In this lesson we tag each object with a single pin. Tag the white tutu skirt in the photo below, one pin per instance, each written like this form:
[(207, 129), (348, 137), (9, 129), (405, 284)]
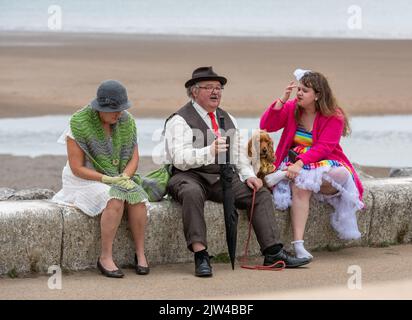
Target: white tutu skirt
[(89, 196), (345, 203)]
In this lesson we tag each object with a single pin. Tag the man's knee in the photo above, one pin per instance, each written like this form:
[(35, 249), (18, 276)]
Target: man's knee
[(263, 197), (263, 194), (189, 191)]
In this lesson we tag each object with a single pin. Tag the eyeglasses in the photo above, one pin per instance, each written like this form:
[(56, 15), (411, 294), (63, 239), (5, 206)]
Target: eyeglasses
[(211, 88)]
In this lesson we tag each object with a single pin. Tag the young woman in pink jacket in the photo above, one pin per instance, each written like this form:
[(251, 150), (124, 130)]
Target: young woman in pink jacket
[(312, 127)]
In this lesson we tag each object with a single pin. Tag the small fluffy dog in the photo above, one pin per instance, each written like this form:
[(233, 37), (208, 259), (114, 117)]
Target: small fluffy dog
[(261, 153)]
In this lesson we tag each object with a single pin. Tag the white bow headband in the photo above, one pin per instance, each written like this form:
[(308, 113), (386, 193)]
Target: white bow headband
[(299, 73)]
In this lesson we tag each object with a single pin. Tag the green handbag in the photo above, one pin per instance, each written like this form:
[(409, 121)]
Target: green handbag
[(155, 182)]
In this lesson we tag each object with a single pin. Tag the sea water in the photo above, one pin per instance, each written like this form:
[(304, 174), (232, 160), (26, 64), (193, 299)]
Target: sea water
[(383, 19), (375, 141)]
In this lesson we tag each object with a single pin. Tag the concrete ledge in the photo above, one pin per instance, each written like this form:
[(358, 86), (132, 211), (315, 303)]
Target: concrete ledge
[(165, 242), (391, 220), (37, 234), (30, 236)]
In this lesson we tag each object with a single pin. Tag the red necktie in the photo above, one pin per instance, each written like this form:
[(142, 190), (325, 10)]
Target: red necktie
[(214, 124)]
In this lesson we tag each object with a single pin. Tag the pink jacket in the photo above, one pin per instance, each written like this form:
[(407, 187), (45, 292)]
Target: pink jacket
[(326, 132)]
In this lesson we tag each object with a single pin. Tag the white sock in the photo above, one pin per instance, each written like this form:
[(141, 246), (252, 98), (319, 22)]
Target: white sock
[(300, 250), (274, 178)]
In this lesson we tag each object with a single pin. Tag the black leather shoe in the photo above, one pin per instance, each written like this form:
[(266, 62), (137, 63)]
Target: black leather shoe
[(140, 269), (290, 261), (202, 264), (111, 274)]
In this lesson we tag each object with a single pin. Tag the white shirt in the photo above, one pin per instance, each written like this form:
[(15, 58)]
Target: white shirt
[(180, 151)]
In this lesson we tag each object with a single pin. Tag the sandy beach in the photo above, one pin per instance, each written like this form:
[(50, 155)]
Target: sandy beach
[(57, 73)]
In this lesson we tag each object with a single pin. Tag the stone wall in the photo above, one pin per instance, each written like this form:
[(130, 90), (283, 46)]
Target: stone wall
[(35, 234)]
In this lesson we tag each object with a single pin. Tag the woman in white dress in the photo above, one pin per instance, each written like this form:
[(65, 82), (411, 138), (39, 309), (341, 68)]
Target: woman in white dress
[(99, 176)]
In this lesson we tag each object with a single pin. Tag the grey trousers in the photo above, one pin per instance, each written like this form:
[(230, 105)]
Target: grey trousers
[(191, 191)]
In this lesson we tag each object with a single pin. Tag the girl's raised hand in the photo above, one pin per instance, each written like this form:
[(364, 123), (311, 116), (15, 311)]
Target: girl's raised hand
[(288, 91)]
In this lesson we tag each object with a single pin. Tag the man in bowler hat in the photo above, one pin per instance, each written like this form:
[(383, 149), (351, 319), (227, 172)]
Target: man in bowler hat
[(193, 145)]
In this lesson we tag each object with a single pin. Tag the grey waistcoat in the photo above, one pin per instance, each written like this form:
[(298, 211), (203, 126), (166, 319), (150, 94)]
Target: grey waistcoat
[(211, 172)]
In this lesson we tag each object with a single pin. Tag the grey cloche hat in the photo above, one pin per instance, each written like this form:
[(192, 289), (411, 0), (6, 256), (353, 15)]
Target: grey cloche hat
[(111, 97), (203, 74)]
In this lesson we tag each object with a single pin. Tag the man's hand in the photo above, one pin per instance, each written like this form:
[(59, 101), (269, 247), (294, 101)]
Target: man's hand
[(112, 180), (218, 146), (254, 183)]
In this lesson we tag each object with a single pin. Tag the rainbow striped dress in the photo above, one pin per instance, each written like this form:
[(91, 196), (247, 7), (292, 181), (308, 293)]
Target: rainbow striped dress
[(302, 142)]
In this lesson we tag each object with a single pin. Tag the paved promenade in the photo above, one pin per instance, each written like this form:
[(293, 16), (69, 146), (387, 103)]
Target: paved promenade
[(380, 273)]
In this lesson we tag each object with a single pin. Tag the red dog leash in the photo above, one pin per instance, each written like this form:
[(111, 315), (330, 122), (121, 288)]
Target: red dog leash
[(277, 266)]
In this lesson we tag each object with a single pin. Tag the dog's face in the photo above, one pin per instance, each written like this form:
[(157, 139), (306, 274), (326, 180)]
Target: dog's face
[(261, 153), (261, 144)]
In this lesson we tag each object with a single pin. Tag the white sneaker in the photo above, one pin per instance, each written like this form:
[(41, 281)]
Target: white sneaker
[(274, 178)]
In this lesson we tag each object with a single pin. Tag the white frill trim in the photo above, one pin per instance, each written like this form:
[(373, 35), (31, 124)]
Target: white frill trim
[(346, 202)]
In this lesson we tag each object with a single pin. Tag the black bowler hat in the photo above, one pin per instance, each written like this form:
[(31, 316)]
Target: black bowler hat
[(111, 97), (204, 74)]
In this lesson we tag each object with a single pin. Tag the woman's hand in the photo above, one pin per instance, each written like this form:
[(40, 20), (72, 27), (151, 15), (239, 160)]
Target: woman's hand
[(286, 95), (293, 170), (114, 180), (288, 91), (126, 184), (122, 181)]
